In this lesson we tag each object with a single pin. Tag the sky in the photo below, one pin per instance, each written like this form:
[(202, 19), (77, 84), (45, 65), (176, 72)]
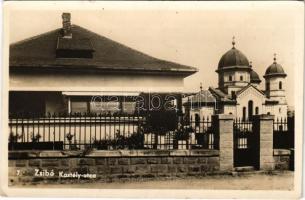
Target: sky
[(197, 36)]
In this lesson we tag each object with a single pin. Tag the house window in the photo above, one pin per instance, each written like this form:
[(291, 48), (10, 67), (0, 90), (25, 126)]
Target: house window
[(230, 78), (280, 85), (241, 78), (79, 107), (129, 107), (256, 110), (109, 107)]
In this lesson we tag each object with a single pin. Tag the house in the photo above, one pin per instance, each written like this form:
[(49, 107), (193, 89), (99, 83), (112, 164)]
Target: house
[(72, 70), (238, 93)]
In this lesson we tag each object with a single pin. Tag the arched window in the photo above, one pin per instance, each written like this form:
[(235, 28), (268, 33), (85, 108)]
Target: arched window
[(280, 85), (197, 120), (233, 94), (268, 113), (241, 78), (230, 78), (268, 86), (256, 110), (250, 109), (244, 114), (280, 110)]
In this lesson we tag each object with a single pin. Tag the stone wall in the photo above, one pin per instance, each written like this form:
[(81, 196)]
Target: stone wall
[(34, 167), (283, 159)]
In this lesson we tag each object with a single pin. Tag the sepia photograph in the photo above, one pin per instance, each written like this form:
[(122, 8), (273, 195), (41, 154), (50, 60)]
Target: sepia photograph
[(163, 98)]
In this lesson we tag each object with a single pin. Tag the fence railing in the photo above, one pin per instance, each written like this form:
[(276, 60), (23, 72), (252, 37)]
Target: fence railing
[(283, 133), (242, 133), (105, 132)]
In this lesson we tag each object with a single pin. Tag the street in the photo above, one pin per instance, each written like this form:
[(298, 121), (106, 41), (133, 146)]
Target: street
[(254, 181)]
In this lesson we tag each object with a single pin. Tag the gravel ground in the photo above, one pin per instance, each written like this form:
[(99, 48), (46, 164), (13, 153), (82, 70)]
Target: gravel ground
[(249, 181)]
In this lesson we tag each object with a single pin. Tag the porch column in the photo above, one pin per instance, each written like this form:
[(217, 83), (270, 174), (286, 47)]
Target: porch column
[(224, 132), (263, 129)]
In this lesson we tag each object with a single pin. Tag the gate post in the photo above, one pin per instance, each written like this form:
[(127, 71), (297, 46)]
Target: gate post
[(224, 131), (263, 130)]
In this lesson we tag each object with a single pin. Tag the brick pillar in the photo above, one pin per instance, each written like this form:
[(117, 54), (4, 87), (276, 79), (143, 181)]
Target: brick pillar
[(224, 130), (263, 129)]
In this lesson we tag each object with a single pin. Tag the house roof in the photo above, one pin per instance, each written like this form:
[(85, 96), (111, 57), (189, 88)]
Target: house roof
[(39, 52)]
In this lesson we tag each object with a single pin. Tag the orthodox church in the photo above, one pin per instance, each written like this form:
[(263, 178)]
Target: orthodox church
[(238, 93)]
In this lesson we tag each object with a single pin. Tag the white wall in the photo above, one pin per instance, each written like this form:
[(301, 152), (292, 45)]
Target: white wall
[(95, 82), (243, 99), (275, 93), (229, 109)]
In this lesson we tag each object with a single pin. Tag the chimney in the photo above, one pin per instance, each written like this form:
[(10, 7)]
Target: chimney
[(66, 25)]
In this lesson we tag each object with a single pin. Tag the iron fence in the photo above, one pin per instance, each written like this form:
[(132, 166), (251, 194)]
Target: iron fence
[(105, 132), (242, 130), (283, 133)]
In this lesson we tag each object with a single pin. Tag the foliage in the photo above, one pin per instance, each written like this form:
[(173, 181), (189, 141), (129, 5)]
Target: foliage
[(69, 137), (35, 138), (134, 141), (13, 138), (183, 133)]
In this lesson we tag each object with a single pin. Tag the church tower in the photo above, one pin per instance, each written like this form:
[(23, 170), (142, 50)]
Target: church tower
[(233, 71), (275, 82)]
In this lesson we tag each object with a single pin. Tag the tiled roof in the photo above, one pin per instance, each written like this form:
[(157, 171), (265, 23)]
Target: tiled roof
[(40, 51), (204, 96), (74, 44)]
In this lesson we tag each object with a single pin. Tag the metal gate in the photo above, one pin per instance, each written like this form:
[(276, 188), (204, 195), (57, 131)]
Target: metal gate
[(245, 144)]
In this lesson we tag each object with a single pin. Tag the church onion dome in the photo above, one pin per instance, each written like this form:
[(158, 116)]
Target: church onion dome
[(254, 78), (274, 70), (233, 59)]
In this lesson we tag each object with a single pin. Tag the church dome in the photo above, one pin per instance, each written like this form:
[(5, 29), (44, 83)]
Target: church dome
[(254, 78), (233, 58), (275, 69)]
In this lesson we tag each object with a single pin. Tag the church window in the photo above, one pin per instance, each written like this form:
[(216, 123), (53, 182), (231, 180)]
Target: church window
[(280, 110), (233, 94), (250, 109), (241, 78), (244, 114), (230, 78), (256, 110), (197, 120), (280, 85)]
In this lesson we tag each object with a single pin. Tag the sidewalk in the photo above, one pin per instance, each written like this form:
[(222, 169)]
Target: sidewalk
[(254, 181)]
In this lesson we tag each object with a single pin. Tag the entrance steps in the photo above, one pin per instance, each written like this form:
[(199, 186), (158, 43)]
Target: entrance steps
[(244, 169)]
